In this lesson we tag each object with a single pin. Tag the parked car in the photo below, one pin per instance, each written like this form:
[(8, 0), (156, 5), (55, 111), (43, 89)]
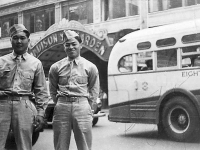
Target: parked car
[(97, 111)]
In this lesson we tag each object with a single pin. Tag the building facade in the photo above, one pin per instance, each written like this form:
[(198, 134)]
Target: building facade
[(99, 22)]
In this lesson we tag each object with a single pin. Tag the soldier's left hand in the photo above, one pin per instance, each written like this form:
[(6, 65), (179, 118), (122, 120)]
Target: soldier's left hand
[(40, 124)]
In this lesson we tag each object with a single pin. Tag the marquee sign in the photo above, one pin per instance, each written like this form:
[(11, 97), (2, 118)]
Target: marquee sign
[(97, 42), (46, 43)]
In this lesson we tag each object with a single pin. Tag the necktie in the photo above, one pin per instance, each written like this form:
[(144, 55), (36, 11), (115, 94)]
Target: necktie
[(70, 75), (19, 58), (71, 67)]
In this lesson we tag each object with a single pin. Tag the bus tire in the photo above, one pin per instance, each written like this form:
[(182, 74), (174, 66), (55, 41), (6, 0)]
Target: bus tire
[(180, 119)]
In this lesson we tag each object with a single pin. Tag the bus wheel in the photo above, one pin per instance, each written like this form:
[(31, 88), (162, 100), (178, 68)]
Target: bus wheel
[(180, 119)]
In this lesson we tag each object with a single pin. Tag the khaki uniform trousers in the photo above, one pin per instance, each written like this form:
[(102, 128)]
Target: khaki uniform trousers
[(73, 115), (17, 114)]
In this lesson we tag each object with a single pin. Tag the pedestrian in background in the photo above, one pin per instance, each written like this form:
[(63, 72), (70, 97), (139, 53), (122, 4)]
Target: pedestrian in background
[(21, 75), (74, 86)]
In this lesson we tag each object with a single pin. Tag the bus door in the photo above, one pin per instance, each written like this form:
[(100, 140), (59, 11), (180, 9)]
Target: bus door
[(132, 92), (121, 89), (143, 106)]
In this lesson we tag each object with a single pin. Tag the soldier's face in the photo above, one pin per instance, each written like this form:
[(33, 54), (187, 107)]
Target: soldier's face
[(20, 43), (72, 48)]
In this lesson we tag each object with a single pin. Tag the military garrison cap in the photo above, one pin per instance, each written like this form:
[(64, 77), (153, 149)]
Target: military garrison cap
[(18, 28), (72, 34)]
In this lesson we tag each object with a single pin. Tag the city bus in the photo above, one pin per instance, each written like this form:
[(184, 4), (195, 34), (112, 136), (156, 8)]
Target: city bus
[(154, 78)]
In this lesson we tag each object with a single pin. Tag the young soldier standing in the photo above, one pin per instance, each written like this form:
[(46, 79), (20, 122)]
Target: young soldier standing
[(21, 75), (74, 86)]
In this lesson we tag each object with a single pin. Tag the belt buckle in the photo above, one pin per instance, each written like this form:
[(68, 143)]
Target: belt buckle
[(73, 99), (16, 98)]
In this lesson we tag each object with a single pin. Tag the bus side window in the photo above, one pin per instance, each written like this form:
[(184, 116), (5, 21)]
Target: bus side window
[(191, 56), (186, 62), (125, 64), (144, 61), (167, 58), (149, 65), (197, 62)]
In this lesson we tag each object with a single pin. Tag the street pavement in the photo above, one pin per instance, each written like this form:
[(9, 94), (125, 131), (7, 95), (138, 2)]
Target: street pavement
[(120, 136)]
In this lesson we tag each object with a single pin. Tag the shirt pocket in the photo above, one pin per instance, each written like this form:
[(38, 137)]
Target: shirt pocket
[(82, 79), (27, 80), (63, 80), (5, 80)]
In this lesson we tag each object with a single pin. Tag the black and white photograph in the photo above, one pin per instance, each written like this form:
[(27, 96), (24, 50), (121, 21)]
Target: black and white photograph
[(99, 74)]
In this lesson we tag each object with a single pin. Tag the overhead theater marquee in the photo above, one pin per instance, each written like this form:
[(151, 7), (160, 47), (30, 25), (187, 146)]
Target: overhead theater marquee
[(97, 42)]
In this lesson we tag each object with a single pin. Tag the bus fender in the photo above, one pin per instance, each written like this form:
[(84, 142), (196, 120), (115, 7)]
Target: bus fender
[(176, 92)]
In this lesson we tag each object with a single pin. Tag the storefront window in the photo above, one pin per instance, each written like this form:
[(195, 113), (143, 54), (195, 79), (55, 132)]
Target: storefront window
[(112, 9), (81, 12), (119, 9), (105, 8), (175, 3), (6, 22), (133, 7), (159, 5), (155, 5), (39, 19), (192, 2)]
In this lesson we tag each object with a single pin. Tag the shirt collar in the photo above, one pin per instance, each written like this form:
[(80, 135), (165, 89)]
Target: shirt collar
[(76, 60), (24, 56)]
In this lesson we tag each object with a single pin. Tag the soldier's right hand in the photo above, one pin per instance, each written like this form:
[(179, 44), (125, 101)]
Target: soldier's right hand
[(5, 93)]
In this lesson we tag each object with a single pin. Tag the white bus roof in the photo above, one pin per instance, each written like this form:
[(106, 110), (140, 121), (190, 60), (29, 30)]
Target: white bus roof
[(165, 31), (128, 44)]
